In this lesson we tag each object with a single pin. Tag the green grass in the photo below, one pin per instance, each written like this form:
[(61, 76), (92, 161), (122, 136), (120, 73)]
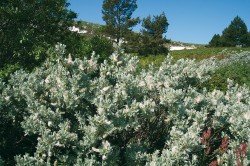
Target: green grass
[(204, 53), (198, 54), (238, 72), (156, 60)]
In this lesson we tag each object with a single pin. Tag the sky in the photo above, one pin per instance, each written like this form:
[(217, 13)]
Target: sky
[(190, 21)]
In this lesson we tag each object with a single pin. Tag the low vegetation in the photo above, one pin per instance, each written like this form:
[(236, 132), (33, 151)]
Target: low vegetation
[(77, 112), (71, 98), (198, 54)]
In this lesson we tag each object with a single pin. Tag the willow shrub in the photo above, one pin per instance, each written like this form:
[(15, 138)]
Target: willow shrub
[(82, 113)]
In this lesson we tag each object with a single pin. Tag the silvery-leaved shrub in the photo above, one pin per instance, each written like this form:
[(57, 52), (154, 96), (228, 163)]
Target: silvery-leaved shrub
[(85, 113)]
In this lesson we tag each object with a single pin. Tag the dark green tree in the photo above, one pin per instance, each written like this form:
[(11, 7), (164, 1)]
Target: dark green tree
[(215, 41), (29, 27), (248, 40), (133, 42), (235, 34), (118, 17), (152, 34)]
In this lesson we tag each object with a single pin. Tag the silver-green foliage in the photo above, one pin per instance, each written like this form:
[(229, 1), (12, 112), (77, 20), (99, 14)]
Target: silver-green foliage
[(114, 113)]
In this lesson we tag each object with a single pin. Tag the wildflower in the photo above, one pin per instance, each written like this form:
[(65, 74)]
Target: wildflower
[(214, 163), (205, 136), (224, 144), (241, 153)]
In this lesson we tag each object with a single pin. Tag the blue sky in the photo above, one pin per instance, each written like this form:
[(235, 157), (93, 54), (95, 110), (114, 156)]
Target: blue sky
[(192, 21)]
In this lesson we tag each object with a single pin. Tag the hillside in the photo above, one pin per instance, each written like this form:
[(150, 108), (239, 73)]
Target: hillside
[(177, 49), (89, 29), (92, 29)]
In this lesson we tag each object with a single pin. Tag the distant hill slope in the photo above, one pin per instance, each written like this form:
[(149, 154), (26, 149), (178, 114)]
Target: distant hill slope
[(87, 28), (92, 29)]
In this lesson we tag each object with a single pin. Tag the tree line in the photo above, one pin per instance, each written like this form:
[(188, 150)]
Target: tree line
[(236, 34)]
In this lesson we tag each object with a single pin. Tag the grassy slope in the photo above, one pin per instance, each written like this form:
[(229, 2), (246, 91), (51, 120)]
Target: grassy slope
[(92, 29), (199, 54)]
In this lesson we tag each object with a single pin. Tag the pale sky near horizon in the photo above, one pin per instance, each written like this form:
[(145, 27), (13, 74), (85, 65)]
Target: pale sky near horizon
[(191, 21)]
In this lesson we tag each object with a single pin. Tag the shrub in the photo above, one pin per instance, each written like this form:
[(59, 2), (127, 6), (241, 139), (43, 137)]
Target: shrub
[(236, 68), (126, 117), (102, 47)]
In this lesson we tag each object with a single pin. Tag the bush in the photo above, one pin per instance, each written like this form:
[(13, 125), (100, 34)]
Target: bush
[(7, 70), (236, 68), (126, 117), (102, 47), (153, 46)]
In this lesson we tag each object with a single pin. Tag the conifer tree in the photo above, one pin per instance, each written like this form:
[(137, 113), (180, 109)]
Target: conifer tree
[(153, 31), (118, 17), (235, 34), (215, 41)]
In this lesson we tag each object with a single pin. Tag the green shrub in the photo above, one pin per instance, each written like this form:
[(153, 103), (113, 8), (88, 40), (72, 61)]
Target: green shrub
[(237, 70), (7, 70), (102, 47)]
